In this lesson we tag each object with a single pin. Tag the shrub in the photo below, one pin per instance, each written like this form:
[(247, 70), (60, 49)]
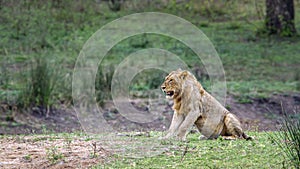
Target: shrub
[(4, 79), (289, 137), (103, 84), (40, 82)]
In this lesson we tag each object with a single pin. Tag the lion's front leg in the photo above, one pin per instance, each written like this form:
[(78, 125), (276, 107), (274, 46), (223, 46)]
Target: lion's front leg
[(176, 121), (187, 124)]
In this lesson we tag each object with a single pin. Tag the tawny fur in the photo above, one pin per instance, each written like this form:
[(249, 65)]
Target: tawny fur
[(193, 105)]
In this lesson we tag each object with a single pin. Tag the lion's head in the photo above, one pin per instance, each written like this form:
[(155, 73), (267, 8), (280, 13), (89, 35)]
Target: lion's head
[(173, 84)]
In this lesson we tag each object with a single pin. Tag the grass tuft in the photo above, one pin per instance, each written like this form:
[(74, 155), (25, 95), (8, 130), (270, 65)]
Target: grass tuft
[(53, 155), (289, 137), (103, 84), (40, 83)]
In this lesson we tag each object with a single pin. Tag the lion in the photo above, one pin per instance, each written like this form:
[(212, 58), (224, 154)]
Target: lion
[(195, 106)]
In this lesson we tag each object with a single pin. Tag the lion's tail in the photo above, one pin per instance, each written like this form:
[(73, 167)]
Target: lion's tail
[(245, 136), (234, 128)]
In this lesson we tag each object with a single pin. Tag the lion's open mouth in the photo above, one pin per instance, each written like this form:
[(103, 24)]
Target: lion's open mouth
[(170, 93)]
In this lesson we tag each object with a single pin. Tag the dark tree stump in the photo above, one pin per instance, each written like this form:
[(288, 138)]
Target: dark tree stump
[(280, 16)]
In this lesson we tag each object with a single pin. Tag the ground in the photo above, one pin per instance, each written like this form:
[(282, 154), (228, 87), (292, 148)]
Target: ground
[(52, 150), (259, 114), (41, 39), (48, 152)]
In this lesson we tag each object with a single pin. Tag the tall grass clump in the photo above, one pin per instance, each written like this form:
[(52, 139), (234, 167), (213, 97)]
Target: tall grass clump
[(40, 82), (288, 138), (4, 77), (103, 84)]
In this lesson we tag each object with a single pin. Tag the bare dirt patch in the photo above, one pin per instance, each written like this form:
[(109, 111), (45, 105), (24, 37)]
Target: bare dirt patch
[(258, 114), (49, 152), (264, 114)]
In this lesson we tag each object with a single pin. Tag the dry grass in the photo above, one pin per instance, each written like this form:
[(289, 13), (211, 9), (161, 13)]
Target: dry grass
[(49, 152)]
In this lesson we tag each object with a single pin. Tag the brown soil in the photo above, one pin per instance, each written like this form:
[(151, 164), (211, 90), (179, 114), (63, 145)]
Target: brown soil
[(264, 114), (49, 152), (257, 114), (28, 151)]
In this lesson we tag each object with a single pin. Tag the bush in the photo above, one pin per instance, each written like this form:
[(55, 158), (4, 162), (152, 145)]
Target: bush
[(40, 82), (289, 137), (103, 84), (148, 79)]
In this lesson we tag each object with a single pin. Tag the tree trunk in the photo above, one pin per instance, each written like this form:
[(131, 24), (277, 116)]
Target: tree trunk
[(115, 5), (280, 15)]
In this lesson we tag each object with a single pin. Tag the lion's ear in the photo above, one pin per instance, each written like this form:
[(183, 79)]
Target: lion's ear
[(184, 74), (202, 92)]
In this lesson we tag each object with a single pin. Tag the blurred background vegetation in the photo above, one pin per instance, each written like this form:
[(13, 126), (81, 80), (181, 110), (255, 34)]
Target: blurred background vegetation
[(41, 39)]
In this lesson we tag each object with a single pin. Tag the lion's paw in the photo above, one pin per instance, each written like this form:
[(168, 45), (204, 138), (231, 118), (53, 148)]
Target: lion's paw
[(202, 137)]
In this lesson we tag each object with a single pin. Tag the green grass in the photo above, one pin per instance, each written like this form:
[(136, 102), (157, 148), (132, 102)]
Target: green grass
[(259, 153), (53, 155), (262, 152), (254, 65), (289, 137)]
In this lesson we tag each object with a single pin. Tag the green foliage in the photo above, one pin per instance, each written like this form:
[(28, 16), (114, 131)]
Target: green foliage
[(258, 88), (289, 137), (103, 84), (254, 65), (259, 153), (115, 5), (40, 83), (34, 26), (4, 74), (27, 157), (262, 152), (7, 93), (53, 155), (148, 79)]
